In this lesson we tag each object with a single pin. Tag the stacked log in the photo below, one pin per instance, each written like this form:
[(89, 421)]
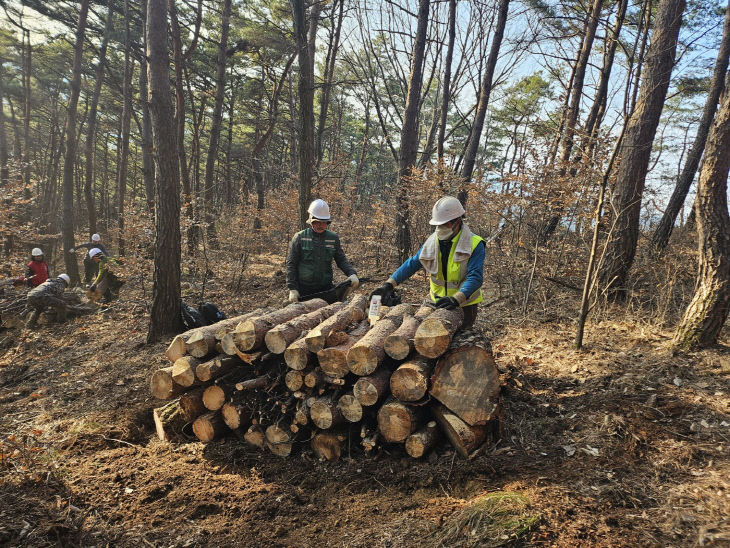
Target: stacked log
[(409, 379)]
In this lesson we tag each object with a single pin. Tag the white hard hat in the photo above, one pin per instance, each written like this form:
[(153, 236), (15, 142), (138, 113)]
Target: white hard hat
[(319, 210), (65, 278), (446, 209), (94, 252), (37, 252), (95, 238)]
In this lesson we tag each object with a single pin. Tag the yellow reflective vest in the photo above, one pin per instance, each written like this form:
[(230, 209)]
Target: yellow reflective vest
[(456, 274)]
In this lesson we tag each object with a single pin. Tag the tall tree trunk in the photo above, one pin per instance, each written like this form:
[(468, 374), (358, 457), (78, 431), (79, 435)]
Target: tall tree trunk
[(91, 132), (305, 128), (409, 132), (595, 116), (708, 310), (67, 228), (571, 120), (148, 165), (664, 230), (180, 105), (4, 172), (447, 81), (27, 64), (165, 314), (636, 146), (228, 178), (126, 119), (215, 126), (328, 75), (486, 89)]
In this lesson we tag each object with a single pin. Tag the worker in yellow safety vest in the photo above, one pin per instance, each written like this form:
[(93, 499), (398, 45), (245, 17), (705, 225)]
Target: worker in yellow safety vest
[(453, 256)]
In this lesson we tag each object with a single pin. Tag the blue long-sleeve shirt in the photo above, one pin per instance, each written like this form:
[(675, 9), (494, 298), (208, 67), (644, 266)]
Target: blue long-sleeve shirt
[(474, 270)]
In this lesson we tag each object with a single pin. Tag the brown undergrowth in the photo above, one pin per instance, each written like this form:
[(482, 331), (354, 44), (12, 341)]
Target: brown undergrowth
[(620, 444)]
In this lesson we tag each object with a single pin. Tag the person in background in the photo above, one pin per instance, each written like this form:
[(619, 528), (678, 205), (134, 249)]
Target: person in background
[(453, 256), (37, 271), (106, 282), (48, 294), (91, 268), (311, 251)]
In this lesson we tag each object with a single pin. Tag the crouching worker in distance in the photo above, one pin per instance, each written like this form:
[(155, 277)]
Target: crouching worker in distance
[(453, 256), (311, 251), (107, 283), (47, 295)]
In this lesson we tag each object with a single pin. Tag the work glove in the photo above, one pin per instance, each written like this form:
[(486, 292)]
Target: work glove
[(72, 250), (386, 290), (449, 303), (293, 296), (354, 281)]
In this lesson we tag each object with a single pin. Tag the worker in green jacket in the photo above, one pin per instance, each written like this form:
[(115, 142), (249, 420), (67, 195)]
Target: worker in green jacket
[(106, 282), (311, 251)]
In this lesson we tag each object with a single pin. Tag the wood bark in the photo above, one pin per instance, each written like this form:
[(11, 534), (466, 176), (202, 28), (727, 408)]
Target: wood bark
[(183, 370), (235, 415), (464, 438), (447, 82), (350, 407), (333, 360), (409, 136), (305, 126), (92, 119), (325, 414), (397, 421), (466, 379), (676, 201), (280, 439), (165, 313), (366, 354), (209, 427), (68, 224), (373, 388), (475, 136), (399, 344), (636, 147), (148, 167), (217, 367), (163, 387), (169, 420), (297, 356), (253, 384), (410, 381), (328, 445), (294, 380), (250, 334), (281, 336), (191, 404), (126, 122), (433, 336), (354, 311), (708, 310), (316, 378), (422, 441)]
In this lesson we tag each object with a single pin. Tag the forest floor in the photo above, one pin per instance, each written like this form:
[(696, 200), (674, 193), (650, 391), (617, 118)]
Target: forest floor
[(621, 444)]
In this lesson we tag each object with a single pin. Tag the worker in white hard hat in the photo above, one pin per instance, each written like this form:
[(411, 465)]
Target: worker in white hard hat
[(48, 295), (453, 256), (37, 270), (106, 283), (311, 251), (91, 268)]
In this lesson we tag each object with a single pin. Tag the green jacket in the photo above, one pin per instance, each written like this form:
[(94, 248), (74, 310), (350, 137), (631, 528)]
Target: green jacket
[(104, 265), (309, 262)]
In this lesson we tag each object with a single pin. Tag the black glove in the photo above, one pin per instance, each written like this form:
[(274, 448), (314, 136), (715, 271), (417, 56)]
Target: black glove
[(386, 290), (449, 303)]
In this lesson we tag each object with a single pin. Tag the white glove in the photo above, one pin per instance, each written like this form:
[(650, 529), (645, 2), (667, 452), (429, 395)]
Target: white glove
[(72, 250), (354, 280), (293, 296)]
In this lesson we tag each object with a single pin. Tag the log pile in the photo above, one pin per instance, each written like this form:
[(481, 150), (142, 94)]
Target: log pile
[(319, 374)]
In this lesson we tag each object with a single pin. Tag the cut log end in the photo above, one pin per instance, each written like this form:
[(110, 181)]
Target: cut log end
[(350, 408), (209, 427), (396, 421), (362, 360)]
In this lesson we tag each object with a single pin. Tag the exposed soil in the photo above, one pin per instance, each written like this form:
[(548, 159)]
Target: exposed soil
[(621, 444)]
